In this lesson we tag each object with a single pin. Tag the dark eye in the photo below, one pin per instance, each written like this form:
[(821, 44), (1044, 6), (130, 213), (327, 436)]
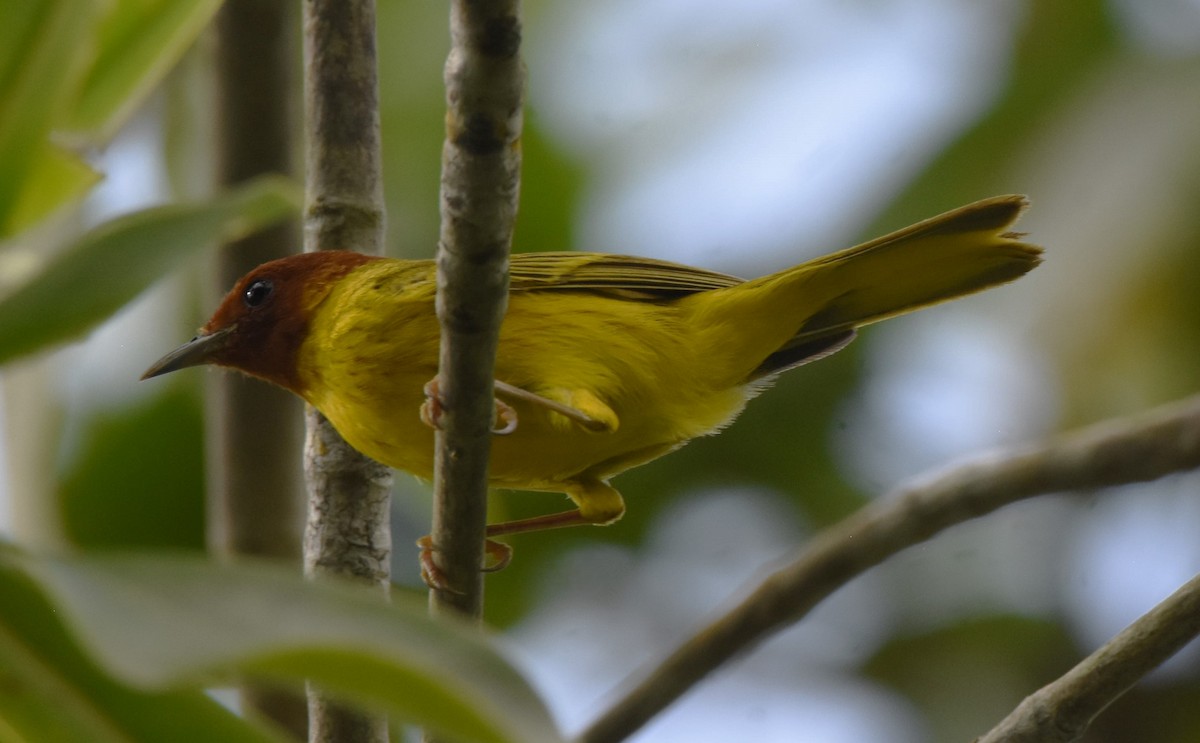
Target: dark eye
[(258, 293)]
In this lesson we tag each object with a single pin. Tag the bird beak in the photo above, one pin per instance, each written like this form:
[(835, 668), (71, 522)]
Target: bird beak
[(197, 351)]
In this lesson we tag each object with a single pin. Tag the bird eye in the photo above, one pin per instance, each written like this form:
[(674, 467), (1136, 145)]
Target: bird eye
[(258, 293)]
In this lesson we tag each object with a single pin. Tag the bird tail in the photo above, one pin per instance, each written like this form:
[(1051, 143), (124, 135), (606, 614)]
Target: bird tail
[(812, 310)]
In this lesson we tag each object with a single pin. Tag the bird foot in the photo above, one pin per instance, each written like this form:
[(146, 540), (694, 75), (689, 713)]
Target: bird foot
[(433, 408), (499, 556)]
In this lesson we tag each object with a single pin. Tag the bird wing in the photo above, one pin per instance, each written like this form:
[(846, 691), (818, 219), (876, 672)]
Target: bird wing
[(621, 275)]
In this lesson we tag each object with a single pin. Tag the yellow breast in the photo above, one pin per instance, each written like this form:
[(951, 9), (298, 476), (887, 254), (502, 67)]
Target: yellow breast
[(373, 346)]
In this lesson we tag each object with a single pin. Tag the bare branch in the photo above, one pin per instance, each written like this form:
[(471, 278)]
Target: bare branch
[(1118, 452), (1061, 711), (481, 162), (347, 532), (255, 498)]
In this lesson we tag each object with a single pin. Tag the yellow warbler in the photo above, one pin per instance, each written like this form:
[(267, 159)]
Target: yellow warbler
[(605, 362)]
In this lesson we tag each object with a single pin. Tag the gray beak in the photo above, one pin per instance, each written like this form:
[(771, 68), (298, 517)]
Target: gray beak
[(197, 351)]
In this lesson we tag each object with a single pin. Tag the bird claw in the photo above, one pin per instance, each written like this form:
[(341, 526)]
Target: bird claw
[(568, 411), (432, 409), (430, 572), (506, 418), (498, 553)]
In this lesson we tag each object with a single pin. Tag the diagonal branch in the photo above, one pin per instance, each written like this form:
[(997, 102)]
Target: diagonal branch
[(1118, 452), (481, 162), (1061, 711)]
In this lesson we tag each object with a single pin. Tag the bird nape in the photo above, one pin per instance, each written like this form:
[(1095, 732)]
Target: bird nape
[(604, 363)]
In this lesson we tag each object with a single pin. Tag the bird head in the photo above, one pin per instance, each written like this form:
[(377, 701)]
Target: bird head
[(261, 324)]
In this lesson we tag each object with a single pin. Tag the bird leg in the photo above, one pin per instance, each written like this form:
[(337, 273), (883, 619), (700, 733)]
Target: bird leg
[(587, 421), (599, 417), (432, 409), (539, 523), (498, 553), (599, 504)]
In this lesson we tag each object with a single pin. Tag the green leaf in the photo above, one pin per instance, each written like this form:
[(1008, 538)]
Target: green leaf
[(139, 42), (112, 264), (53, 692), (138, 479), (39, 74), (56, 178), (160, 621)]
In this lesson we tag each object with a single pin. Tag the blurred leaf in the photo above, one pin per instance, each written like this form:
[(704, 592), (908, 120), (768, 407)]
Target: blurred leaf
[(53, 692), (17, 32), (89, 64), (1161, 712), (138, 43), (412, 102), (140, 480), (57, 178), (163, 621), (966, 677), (113, 263), (550, 187), (41, 70)]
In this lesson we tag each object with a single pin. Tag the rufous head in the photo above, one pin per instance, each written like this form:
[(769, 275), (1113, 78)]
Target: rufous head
[(260, 325)]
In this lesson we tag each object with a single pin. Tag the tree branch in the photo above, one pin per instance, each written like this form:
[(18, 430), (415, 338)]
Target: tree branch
[(255, 501), (1061, 711), (1118, 452), (347, 532), (481, 162)]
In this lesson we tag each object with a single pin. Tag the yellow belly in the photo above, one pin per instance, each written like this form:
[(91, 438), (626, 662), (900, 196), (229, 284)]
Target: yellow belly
[(652, 379)]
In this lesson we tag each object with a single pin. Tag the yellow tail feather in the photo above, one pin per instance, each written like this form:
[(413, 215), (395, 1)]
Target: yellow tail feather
[(811, 310)]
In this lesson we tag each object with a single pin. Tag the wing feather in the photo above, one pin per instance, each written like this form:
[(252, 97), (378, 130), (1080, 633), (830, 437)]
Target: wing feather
[(620, 275)]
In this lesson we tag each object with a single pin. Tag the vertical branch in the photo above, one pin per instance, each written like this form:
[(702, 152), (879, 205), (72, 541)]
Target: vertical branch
[(481, 162), (255, 502), (347, 531)]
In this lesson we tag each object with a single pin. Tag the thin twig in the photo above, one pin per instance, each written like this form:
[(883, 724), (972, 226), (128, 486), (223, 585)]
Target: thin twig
[(347, 531), (1061, 711), (1118, 452), (481, 162), (255, 496)]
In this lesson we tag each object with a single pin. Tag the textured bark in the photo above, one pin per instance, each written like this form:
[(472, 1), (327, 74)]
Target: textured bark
[(347, 531), (481, 162)]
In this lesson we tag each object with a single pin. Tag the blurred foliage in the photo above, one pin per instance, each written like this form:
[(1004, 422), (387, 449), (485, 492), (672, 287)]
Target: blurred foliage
[(976, 670), (547, 178), (1164, 712), (157, 628), (981, 668), (124, 647), (140, 480), (109, 266), (65, 696), (78, 70)]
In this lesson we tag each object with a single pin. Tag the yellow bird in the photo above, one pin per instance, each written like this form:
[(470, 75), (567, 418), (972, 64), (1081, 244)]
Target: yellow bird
[(605, 362)]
